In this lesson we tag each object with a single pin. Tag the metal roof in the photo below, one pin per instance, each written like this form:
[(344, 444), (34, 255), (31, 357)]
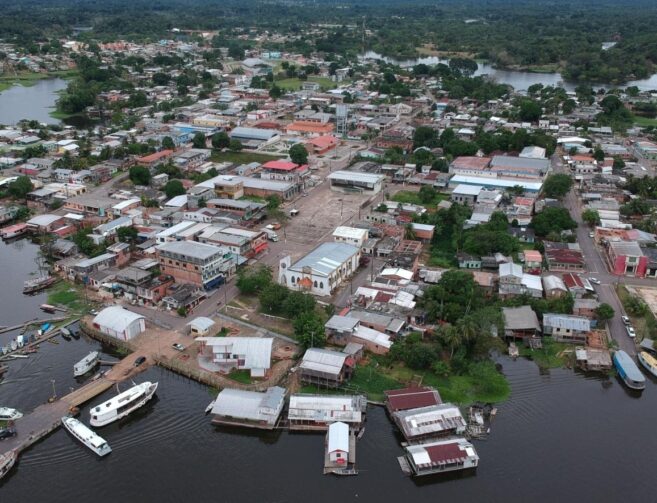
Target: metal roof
[(434, 419), (202, 323), (326, 258), (193, 249), (256, 350), (565, 321), (338, 437), (520, 318), (356, 176), (327, 408), (323, 360), (116, 318), (250, 405), (342, 323)]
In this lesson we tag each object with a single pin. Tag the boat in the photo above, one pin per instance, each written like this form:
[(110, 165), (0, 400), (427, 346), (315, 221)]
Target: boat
[(13, 231), (628, 371), (649, 362), (86, 364), (3, 369), (122, 404), (44, 328), (47, 308), (19, 356), (38, 284), (9, 414), (513, 350), (66, 334), (6, 462), (85, 435), (209, 407)]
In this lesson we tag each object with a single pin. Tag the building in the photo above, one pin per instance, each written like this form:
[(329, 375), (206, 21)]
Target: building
[(152, 160), (317, 412), (338, 443), (326, 367), (254, 137), (520, 322), (200, 326), (119, 323), (320, 145), (418, 425), (411, 398), (533, 262), (626, 258), (465, 194), (355, 181), (322, 270), (554, 286), (343, 330), (509, 166), (350, 235), (441, 456), (225, 354), (250, 409), (199, 264), (566, 328), (564, 259)]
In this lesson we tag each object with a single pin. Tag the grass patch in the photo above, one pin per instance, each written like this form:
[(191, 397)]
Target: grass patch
[(242, 376), (644, 324), (31, 78), (411, 197), (644, 121), (67, 295), (553, 354), (242, 157), (370, 380), (294, 84), (58, 114)]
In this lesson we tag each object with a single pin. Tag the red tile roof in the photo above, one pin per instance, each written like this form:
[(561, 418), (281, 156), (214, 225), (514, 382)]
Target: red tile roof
[(156, 156), (445, 453), (280, 165), (572, 281), (471, 162), (412, 398)]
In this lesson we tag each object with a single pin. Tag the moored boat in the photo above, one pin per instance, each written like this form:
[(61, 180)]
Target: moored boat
[(9, 414), (38, 284), (628, 371), (13, 231), (122, 404), (6, 462), (86, 364), (649, 362), (85, 435)]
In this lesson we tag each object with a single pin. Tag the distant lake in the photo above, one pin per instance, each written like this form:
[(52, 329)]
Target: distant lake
[(30, 102), (520, 80)]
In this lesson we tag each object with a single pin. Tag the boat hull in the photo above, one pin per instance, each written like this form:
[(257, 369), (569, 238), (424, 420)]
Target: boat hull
[(97, 420), (7, 461), (646, 365), (84, 366), (84, 435), (625, 366)]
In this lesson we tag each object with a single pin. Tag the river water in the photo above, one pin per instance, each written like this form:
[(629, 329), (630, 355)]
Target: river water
[(561, 436), (30, 102), (519, 80)]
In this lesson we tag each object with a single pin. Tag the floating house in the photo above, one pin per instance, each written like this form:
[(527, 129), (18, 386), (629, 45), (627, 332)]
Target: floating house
[(250, 409), (439, 457)]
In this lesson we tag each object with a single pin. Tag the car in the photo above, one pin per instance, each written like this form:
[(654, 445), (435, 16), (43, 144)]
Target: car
[(591, 234), (140, 360), (625, 319), (631, 332), (595, 281), (7, 433), (178, 347)]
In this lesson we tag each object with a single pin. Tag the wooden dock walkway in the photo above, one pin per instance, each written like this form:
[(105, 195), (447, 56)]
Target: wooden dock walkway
[(31, 322)]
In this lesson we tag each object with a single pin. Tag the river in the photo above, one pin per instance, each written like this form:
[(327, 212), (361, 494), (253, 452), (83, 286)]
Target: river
[(519, 80), (33, 102), (561, 436)]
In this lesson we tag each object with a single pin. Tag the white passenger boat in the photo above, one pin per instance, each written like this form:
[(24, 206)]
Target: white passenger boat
[(86, 364), (6, 462), (8, 414), (85, 435), (123, 404)]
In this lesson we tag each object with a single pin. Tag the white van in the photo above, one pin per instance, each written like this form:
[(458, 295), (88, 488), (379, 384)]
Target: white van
[(271, 235)]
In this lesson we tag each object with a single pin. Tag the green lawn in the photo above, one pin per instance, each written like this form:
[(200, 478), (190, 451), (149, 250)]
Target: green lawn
[(411, 197), (644, 121), (241, 157), (294, 84), (67, 295), (552, 355), (243, 376), (31, 78)]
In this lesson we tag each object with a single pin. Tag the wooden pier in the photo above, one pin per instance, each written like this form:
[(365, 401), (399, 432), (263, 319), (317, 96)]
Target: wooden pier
[(31, 322), (46, 337)]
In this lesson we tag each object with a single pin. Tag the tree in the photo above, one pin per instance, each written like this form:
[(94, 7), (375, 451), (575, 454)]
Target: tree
[(127, 234), (309, 330), (440, 165), (604, 312), (530, 110), (298, 154), (618, 163), (427, 194), (252, 280), (591, 217), (235, 145), (174, 188), (199, 140), (297, 303), (425, 136), (599, 155), (139, 175), (272, 298), (20, 187), (167, 143), (552, 220), (275, 92), (557, 185), (220, 140)]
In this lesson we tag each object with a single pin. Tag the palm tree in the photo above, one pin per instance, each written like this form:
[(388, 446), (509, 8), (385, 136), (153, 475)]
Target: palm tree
[(451, 337)]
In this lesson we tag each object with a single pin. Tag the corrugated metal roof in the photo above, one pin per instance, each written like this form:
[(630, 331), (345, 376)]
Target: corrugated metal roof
[(256, 350), (250, 405), (116, 318), (565, 321), (326, 258)]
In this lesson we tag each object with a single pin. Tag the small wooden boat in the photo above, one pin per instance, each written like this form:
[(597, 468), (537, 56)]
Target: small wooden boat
[(48, 308), (66, 334), (513, 350), (6, 462), (648, 362), (38, 284)]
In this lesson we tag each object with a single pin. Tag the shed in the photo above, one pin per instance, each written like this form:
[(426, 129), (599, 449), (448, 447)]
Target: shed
[(200, 327), (338, 442), (119, 323)]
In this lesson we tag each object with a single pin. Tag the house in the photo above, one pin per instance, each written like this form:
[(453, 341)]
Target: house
[(200, 326), (511, 276), (343, 330), (152, 160), (349, 181), (322, 270), (626, 258), (45, 223), (350, 235), (566, 328), (411, 398), (326, 367), (317, 412), (520, 322), (421, 424), (465, 194), (467, 261), (554, 286), (251, 409), (119, 323), (321, 145), (441, 456), (533, 262), (225, 354), (564, 259), (338, 443), (200, 264), (585, 308), (575, 284)]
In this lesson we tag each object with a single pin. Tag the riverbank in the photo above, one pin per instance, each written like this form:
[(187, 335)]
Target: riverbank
[(27, 79)]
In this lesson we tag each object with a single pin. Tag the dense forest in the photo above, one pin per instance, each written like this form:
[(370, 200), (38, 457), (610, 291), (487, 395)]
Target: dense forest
[(539, 35)]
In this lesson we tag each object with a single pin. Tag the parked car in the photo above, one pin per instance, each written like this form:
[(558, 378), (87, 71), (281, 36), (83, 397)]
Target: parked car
[(625, 319), (140, 360), (7, 433), (595, 281), (631, 332), (591, 234), (178, 347)]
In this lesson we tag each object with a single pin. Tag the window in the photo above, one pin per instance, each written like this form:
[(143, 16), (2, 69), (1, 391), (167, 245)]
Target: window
[(321, 284), (315, 283), (292, 279)]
